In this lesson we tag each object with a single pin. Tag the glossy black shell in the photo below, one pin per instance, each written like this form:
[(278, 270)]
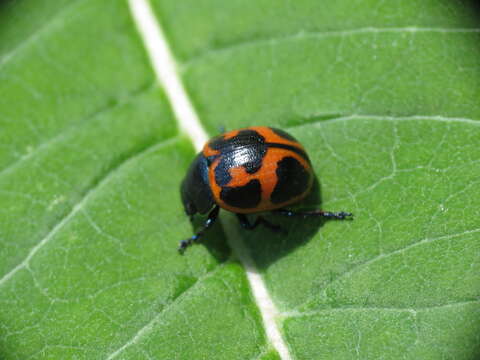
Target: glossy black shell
[(276, 172), (195, 188)]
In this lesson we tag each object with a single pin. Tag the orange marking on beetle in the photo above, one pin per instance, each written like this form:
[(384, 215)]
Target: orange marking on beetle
[(231, 134), (239, 175), (213, 184), (271, 137), (266, 175), (208, 151)]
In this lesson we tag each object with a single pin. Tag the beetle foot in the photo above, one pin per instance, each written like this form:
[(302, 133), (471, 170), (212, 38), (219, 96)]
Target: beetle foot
[(341, 215), (184, 244)]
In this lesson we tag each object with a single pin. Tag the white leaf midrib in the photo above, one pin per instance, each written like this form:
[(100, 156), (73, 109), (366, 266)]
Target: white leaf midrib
[(166, 71)]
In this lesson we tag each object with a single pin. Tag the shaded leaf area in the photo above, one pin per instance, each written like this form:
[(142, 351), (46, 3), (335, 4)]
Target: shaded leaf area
[(22, 20), (90, 166)]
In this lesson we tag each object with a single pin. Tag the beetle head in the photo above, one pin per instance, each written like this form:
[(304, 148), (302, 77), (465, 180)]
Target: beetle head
[(195, 188)]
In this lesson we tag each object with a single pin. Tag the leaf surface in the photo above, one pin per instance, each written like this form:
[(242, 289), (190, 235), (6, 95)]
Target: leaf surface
[(384, 97)]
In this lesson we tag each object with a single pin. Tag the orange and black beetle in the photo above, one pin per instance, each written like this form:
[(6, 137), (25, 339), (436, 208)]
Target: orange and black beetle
[(245, 171)]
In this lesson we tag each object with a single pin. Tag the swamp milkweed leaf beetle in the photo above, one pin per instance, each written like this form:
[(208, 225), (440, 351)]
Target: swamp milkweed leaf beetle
[(246, 171)]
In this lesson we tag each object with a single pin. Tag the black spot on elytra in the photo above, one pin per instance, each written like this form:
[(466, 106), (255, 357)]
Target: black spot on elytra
[(244, 197), (243, 138), (283, 134), (222, 174), (293, 180), (246, 149)]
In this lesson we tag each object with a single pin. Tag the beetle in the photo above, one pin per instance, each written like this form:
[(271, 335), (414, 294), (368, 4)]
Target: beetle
[(245, 171)]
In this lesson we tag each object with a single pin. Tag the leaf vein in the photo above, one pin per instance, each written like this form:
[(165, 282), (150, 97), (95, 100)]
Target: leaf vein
[(155, 320), (317, 119), (75, 126), (413, 310), (402, 250), (166, 69), (49, 24), (234, 46), (106, 177)]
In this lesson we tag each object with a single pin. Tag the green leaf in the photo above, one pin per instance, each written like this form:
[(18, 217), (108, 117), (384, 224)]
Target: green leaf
[(384, 97)]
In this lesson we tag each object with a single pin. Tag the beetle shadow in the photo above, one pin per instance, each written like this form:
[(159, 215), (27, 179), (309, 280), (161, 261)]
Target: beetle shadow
[(474, 6), (266, 247), (214, 239)]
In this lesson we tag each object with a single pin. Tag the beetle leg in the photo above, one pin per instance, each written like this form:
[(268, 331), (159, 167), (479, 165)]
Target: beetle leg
[(212, 216), (260, 220), (341, 215)]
